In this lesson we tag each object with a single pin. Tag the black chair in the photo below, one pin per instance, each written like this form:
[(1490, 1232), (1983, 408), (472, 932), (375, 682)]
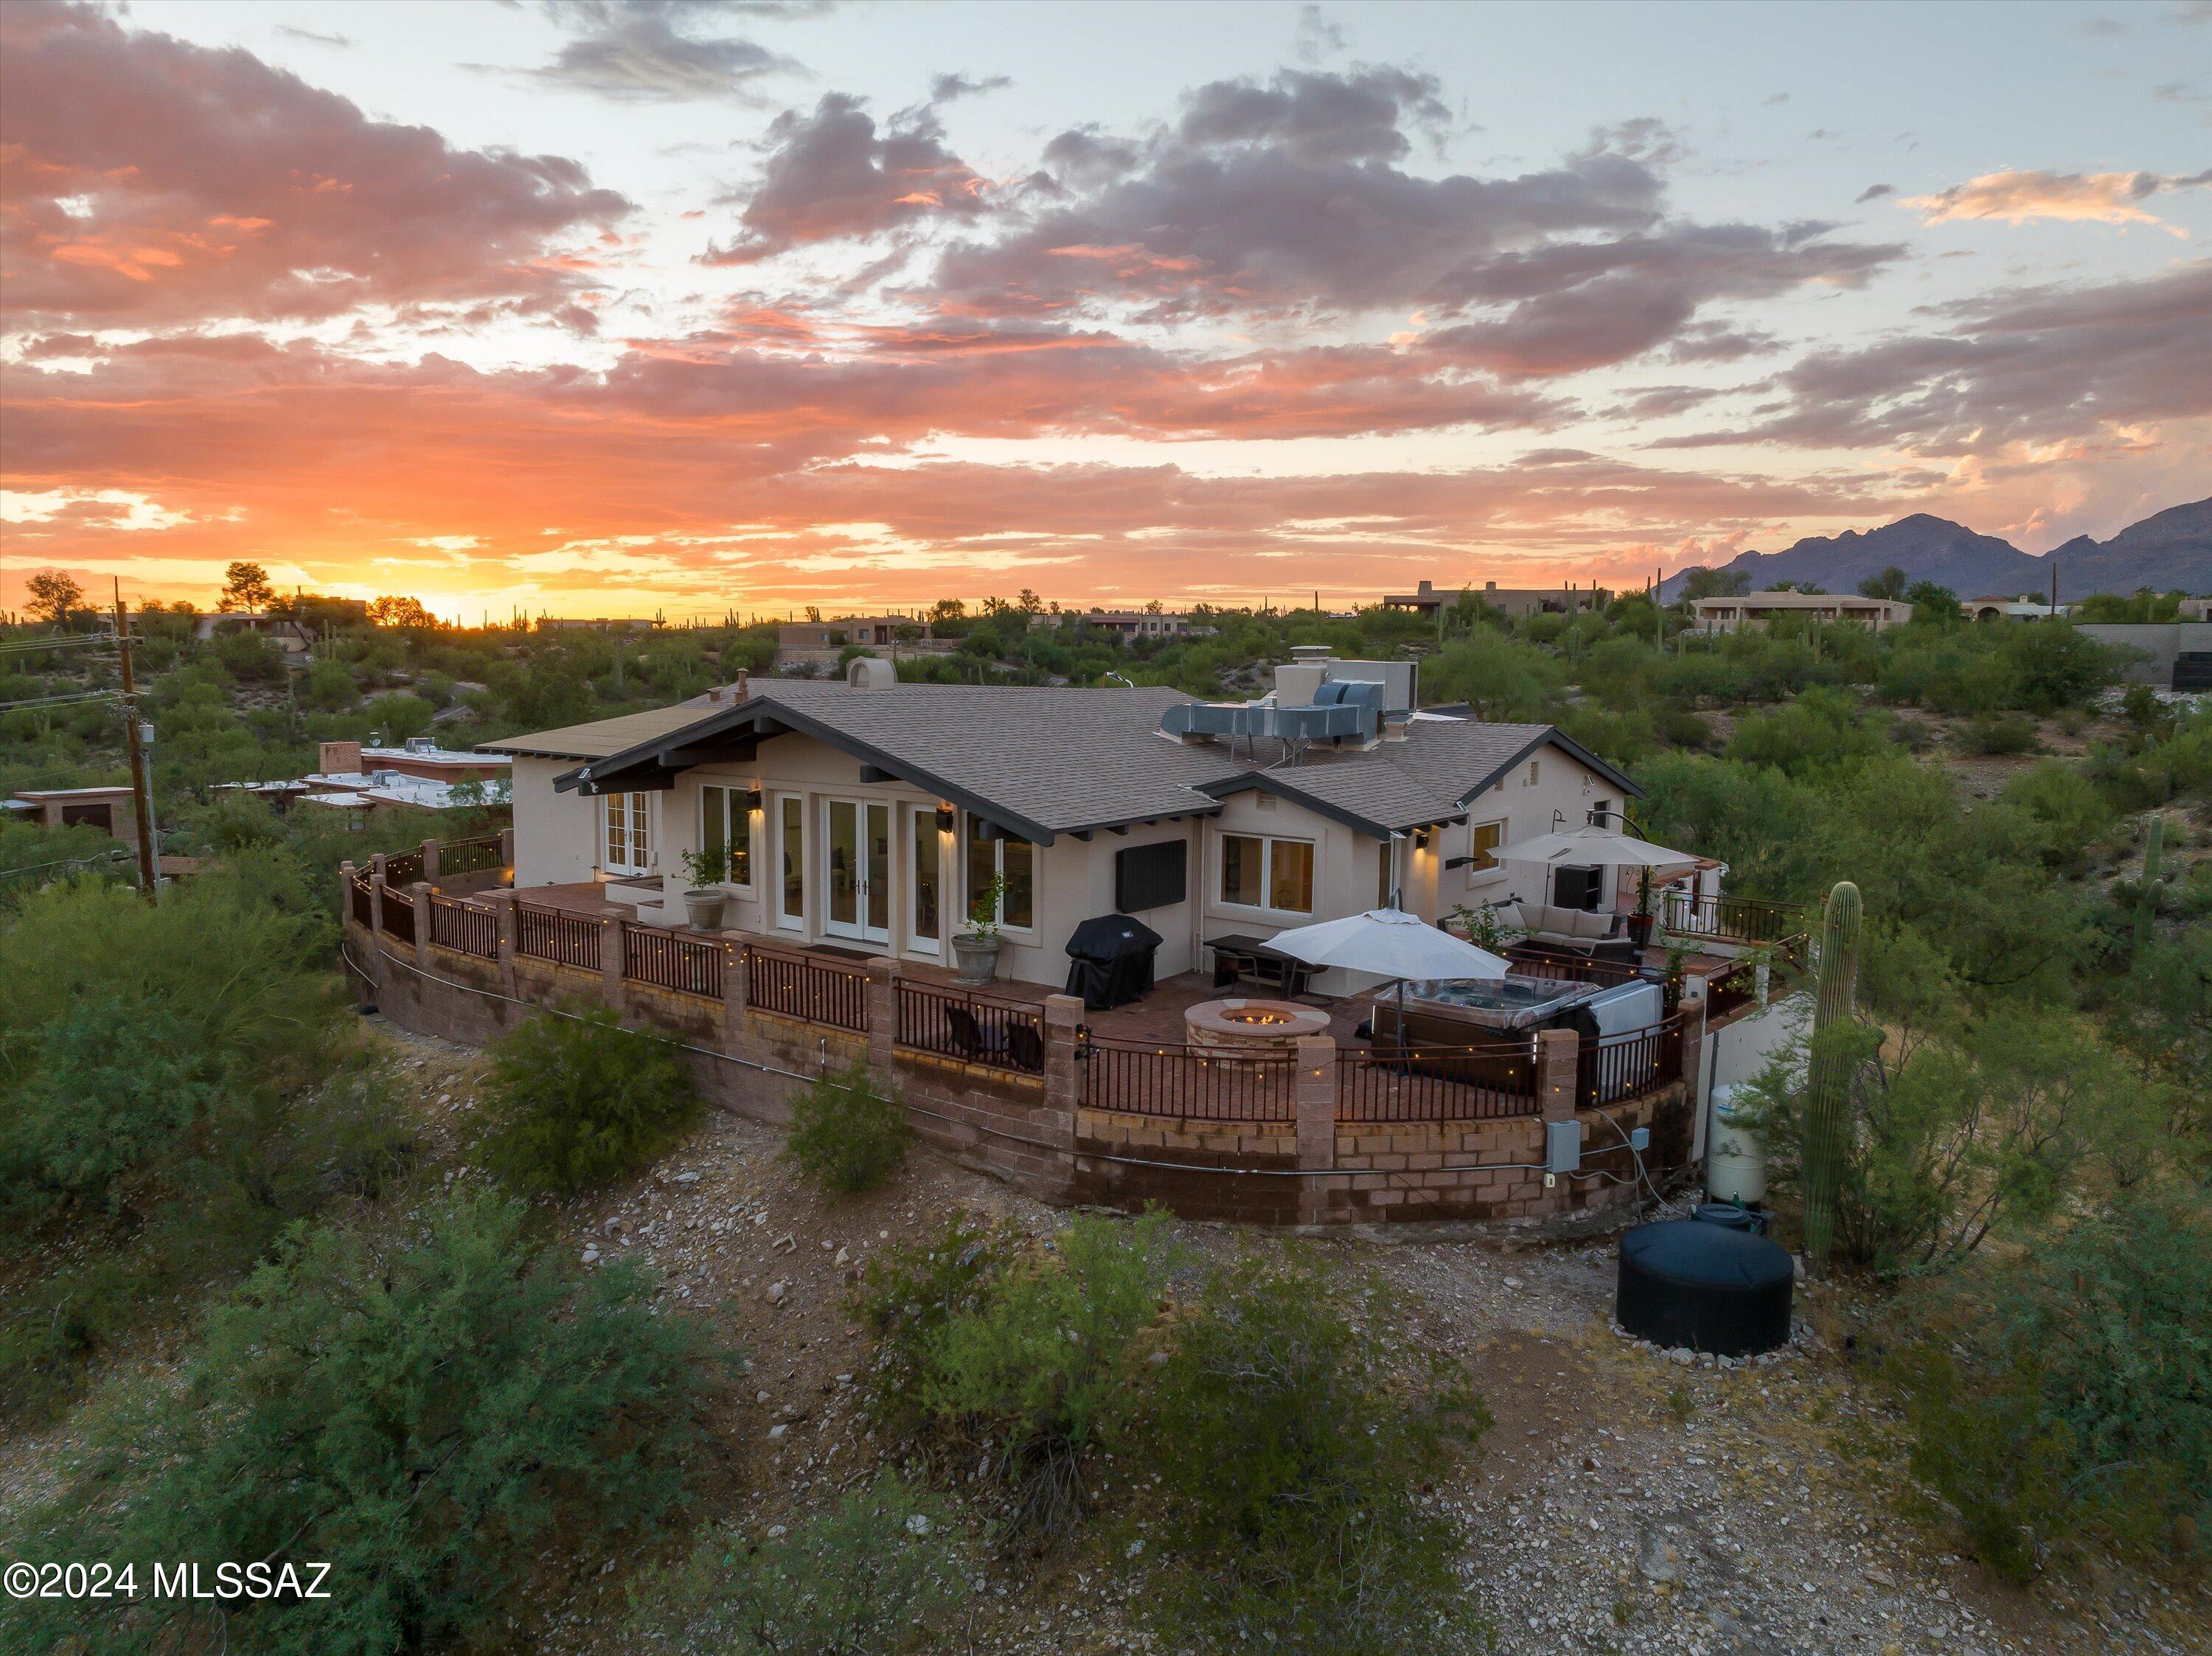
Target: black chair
[(969, 1038), (1025, 1048)]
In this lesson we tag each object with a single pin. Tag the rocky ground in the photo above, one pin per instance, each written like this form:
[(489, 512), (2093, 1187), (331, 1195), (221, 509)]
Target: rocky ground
[(1625, 1501)]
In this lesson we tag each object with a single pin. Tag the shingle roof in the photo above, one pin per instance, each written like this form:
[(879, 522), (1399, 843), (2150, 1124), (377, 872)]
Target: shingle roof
[(1045, 760)]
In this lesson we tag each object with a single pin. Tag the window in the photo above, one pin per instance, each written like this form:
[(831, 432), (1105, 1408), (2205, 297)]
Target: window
[(791, 902), (1383, 861), (1483, 841), (988, 858), (628, 840), (1600, 813), (725, 823), (1266, 873)]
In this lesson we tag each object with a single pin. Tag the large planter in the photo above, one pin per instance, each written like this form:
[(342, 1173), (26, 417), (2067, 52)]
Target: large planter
[(704, 907), (1639, 929), (976, 957)]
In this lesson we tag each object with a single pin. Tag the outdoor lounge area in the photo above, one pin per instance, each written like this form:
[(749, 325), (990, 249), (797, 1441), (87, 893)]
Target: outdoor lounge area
[(1363, 1121)]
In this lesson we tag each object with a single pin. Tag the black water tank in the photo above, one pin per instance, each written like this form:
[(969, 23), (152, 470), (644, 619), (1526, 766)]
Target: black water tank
[(1705, 1287), (1730, 1215)]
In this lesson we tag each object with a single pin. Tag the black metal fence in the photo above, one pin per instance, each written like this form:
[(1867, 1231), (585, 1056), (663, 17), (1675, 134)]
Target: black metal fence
[(1437, 1083), (798, 987), (994, 1033), (549, 934), (670, 960), (1187, 1084), (463, 926)]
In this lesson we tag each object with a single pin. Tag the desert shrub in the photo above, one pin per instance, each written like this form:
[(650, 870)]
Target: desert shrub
[(848, 1131), (575, 1100), (2067, 805), (2069, 1388), (419, 1410), (874, 1574), (1290, 1447), (1820, 730), (1998, 734), (1021, 1357)]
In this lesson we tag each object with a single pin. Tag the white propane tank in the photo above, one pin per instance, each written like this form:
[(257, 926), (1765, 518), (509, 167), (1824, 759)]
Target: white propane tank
[(1735, 1157)]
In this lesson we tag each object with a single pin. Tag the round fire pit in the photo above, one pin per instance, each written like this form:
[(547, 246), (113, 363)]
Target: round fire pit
[(1255, 1027)]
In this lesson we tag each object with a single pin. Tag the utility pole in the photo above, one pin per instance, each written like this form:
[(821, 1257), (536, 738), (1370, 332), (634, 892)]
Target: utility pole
[(141, 786)]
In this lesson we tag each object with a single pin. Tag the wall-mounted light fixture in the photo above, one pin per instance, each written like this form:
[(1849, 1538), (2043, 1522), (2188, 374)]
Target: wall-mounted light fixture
[(945, 817), (752, 799)]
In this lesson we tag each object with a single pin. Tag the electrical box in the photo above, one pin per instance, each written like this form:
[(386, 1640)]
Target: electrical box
[(1563, 1146), (1639, 1139)]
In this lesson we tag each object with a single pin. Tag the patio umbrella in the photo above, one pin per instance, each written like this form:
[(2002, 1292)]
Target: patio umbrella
[(1593, 847), (1391, 945)]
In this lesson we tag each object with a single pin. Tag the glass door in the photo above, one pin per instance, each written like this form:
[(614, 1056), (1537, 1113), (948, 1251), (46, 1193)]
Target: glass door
[(791, 882), (926, 882), (856, 864)]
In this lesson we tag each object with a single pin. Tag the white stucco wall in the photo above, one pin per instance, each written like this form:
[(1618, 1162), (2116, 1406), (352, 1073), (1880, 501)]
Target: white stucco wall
[(556, 840)]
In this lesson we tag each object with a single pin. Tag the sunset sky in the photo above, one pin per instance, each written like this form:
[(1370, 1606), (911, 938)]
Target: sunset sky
[(600, 309)]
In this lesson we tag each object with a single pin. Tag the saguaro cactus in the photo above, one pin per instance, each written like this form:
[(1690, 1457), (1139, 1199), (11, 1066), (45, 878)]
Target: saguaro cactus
[(1828, 1112), (2147, 894)]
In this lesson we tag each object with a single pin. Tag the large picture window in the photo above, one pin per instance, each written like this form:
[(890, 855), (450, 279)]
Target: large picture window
[(1015, 859), (1260, 871), (629, 846), (726, 824)]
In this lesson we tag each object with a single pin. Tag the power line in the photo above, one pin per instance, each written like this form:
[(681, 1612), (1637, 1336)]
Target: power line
[(61, 700)]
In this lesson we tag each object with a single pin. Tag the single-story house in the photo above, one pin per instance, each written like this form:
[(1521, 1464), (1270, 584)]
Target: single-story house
[(109, 809), (1129, 625), (286, 634), (1757, 609), (1516, 601), (1999, 607), (871, 815)]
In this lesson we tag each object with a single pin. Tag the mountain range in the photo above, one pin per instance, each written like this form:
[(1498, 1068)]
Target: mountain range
[(2169, 549)]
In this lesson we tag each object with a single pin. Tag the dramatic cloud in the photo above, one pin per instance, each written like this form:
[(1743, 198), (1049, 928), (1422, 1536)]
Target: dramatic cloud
[(151, 181), (644, 51), (830, 176), (2083, 197), (2045, 365), (1285, 198)]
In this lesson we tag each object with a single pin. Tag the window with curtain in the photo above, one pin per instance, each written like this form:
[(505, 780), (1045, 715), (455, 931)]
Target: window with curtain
[(725, 823)]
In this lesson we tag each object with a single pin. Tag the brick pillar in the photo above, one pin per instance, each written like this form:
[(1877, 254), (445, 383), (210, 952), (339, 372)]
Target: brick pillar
[(736, 989), (419, 891), (883, 1012), (611, 960), (346, 894), (507, 849), (429, 859), (1312, 1084), (1063, 1086), (376, 893), (1559, 1053), (502, 909)]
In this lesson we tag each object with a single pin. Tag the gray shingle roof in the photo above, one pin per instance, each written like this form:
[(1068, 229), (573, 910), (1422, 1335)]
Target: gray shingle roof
[(1045, 760)]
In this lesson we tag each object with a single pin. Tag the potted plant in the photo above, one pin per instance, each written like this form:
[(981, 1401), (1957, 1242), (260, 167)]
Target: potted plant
[(706, 903), (976, 949), (1483, 929), (1640, 922)]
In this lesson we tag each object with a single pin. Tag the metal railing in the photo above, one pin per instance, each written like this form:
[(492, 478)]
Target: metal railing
[(1732, 919), (398, 915), (1437, 1083), (550, 934), (1570, 969), (671, 960), (994, 1033), (800, 987), (362, 906), (1615, 1067), (403, 868), (463, 926), (1733, 986), (1186, 1083), (477, 856)]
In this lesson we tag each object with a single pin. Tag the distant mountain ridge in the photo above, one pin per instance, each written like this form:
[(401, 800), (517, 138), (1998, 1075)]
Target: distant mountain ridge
[(2168, 549)]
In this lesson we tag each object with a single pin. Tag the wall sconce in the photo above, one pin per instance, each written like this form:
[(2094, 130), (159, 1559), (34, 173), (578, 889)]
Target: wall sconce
[(945, 819), (1422, 837), (752, 799)]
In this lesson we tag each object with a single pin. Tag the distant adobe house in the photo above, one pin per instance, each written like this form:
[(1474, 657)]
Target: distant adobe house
[(109, 809), (1757, 609), (1515, 601), (1131, 625)]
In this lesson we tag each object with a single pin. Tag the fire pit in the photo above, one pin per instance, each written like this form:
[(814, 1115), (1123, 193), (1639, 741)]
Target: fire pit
[(1252, 1027)]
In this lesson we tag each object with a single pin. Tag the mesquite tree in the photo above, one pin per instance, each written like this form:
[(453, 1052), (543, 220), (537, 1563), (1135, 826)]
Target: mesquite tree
[(1828, 1122)]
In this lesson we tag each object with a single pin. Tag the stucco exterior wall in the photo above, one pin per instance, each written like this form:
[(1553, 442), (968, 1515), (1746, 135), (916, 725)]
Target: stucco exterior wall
[(556, 840)]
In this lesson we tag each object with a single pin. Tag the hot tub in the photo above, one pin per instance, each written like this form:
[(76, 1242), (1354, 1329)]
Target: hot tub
[(1502, 1004)]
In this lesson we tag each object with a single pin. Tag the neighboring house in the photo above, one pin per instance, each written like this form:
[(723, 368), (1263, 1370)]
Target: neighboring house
[(287, 634), (109, 809), (1757, 609), (417, 776), (870, 814), (1516, 601), (2173, 655), (1129, 625), (2004, 608), (819, 643)]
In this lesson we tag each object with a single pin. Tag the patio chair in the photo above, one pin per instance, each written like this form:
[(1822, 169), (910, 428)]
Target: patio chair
[(969, 1038), (1025, 1048)]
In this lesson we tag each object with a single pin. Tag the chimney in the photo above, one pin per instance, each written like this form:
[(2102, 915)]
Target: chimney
[(742, 688), (339, 759), (1394, 729)]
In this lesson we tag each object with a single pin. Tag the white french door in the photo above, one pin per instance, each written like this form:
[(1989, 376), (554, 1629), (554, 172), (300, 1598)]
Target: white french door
[(925, 881), (856, 862), (626, 835)]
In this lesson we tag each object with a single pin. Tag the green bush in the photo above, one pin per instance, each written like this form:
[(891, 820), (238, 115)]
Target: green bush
[(1998, 733), (425, 1412), (848, 1132), (1023, 1356), (2069, 1389), (575, 1100), (1290, 1447), (877, 1574)]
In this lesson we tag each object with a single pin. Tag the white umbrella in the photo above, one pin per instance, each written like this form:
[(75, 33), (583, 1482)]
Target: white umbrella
[(1593, 847), (1390, 943)]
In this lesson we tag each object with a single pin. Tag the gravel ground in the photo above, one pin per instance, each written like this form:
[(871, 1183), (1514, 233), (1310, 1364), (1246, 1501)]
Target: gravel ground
[(1624, 1501)]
